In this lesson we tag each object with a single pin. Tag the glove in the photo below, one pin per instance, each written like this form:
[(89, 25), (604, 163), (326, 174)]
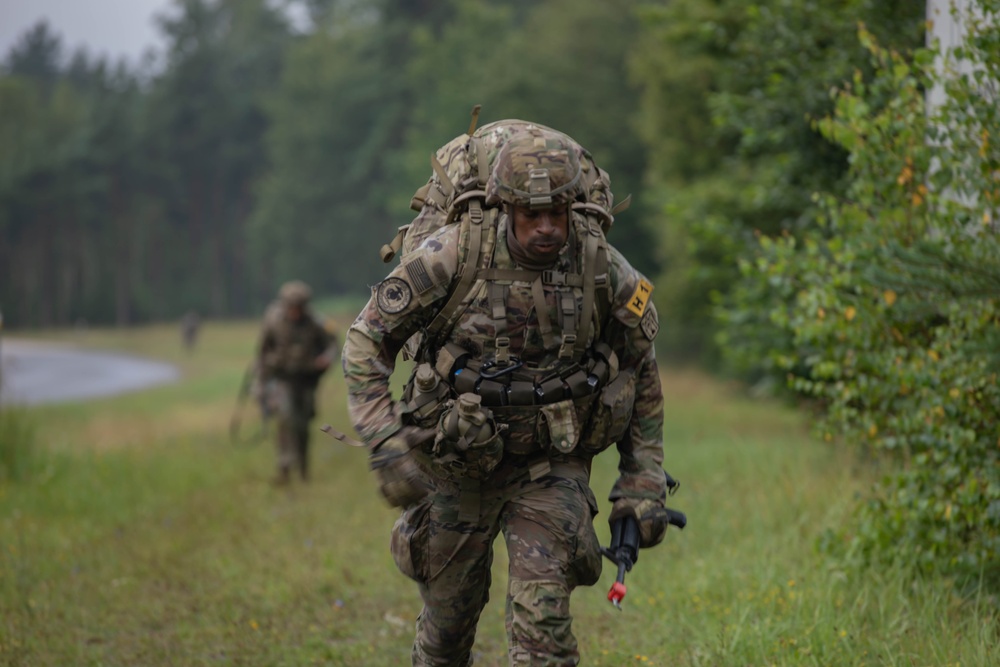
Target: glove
[(400, 479), (652, 526)]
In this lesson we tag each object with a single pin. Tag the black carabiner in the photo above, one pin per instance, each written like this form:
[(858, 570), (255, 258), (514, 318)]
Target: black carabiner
[(514, 364)]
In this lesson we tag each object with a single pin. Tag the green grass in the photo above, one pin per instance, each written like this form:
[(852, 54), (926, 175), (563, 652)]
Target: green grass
[(144, 537), (19, 457)]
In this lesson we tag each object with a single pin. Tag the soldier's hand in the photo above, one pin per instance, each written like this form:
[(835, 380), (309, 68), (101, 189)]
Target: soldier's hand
[(321, 363), (651, 528), (401, 480)]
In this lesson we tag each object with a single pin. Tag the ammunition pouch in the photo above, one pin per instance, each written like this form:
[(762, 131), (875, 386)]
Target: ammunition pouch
[(537, 410)]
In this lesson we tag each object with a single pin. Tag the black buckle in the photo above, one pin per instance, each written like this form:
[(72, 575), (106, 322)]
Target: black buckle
[(551, 277)]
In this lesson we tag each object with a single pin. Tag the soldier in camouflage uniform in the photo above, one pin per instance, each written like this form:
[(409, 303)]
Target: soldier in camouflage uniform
[(295, 350), (535, 354)]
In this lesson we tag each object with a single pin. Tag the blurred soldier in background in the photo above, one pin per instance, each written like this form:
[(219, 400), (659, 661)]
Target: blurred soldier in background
[(190, 324), (295, 350)]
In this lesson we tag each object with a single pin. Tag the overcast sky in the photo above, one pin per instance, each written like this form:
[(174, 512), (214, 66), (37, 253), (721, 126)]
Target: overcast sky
[(111, 27)]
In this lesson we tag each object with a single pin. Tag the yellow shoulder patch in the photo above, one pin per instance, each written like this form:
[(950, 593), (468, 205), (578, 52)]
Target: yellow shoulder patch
[(640, 298)]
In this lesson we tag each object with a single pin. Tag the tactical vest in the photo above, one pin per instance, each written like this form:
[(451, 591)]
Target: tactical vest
[(556, 405)]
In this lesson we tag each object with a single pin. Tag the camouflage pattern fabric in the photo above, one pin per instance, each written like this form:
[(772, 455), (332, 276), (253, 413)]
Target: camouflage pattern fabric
[(536, 169), (548, 530)]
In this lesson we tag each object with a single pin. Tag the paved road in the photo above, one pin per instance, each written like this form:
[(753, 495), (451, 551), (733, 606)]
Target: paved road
[(35, 373)]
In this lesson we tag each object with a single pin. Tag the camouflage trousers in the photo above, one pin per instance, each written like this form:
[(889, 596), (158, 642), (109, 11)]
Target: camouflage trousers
[(445, 544), (293, 405)]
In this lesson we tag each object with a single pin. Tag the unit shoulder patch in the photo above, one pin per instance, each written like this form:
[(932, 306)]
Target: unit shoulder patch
[(650, 324), (640, 297), (393, 295)]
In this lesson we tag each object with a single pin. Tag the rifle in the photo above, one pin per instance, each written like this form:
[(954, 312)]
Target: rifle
[(624, 549)]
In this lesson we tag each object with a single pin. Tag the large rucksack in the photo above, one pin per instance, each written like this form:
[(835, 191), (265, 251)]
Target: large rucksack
[(460, 170)]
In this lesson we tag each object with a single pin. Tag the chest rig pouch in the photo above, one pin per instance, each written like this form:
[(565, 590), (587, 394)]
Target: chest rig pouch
[(555, 411)]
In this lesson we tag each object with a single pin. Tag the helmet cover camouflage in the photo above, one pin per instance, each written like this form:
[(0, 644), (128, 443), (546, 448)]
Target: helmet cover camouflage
[(536, 168), (295, 293)]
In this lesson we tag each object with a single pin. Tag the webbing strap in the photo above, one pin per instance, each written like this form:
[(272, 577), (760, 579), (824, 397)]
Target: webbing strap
[(421, 400), (482, 164), (446, 184), (548, 277), (498, 311), (622, 206), (559, 278), (542, 312), (589, 274), (389, 250), (498, 306), (459, 203), (468, 275), (509, 274), (567, 319)]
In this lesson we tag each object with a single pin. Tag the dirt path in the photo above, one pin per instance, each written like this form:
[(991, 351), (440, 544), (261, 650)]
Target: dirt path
[(35, 373)]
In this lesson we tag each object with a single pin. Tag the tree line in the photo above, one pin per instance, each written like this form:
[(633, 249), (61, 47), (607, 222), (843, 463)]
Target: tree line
[(257, 148)]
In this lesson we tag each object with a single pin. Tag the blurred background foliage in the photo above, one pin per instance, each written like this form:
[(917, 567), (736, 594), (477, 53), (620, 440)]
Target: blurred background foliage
[(257, 148), (808, 229)]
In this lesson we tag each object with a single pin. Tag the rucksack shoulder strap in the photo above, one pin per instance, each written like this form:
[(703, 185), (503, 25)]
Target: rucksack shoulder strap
[(595, 279), (479, 222)]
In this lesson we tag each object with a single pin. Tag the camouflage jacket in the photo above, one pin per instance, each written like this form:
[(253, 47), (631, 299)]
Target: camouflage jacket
[(288, 350), (408, 299)]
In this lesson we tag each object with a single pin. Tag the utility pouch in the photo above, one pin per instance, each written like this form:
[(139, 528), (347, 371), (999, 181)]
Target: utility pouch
[(611, 415), (523, 431), (563, 424), (410, 536)]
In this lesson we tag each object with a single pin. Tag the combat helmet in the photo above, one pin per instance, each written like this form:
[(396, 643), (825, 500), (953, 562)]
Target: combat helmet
[(295, 293), (536, 168)]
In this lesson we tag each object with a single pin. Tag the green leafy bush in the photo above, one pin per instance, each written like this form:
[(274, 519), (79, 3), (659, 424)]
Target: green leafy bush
[(887, 314)]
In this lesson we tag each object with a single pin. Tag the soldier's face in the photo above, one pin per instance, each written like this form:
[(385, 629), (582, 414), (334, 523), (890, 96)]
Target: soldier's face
[(294, 312), (542, 232)]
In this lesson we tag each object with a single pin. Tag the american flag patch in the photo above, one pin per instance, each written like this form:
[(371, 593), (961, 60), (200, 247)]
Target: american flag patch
[(417, 273)]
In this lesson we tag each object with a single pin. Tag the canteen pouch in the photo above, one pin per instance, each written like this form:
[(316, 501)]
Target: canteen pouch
[(474, 458), (611, 415)]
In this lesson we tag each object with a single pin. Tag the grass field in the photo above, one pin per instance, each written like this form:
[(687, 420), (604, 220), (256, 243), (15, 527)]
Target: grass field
[(141, 536)]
